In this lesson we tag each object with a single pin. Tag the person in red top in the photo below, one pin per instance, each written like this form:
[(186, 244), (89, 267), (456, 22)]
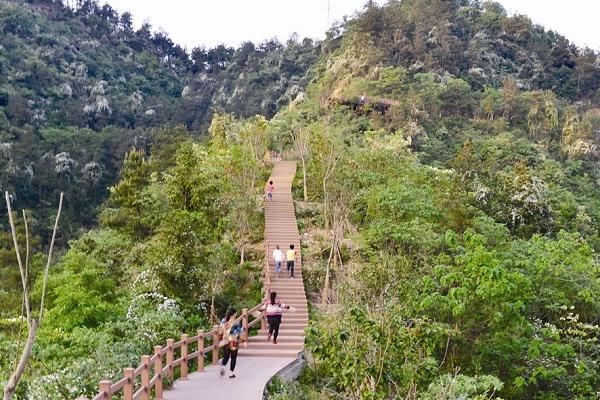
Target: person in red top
[(274, 312)]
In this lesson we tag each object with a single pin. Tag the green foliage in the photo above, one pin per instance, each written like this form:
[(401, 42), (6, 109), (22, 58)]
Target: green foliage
[(400, 217), (469, 189), (165, 254), (460, 196), (357, 362), (83, 88), (463, 387)]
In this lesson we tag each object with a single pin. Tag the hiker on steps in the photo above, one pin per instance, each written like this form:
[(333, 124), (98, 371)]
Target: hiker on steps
[(291, 257), (278, 257), (231, 332), (274, 310), (269, 189)]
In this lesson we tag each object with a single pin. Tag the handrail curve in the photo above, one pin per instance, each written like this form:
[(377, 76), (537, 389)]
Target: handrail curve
[(162, 364)]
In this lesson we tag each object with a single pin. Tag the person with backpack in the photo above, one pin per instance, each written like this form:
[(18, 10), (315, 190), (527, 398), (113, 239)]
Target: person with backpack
[(291, 257), (232, 332), (274, 311), (278, 257)]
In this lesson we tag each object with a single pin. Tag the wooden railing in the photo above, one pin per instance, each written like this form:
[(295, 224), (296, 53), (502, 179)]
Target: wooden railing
[(153, 370)]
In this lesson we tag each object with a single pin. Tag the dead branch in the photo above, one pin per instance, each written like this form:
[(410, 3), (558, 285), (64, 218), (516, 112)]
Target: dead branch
[(60, 203), (21, 267), (32, 323)]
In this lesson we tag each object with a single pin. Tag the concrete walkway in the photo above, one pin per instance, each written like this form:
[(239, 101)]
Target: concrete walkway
[(252, 374), (262, 359)]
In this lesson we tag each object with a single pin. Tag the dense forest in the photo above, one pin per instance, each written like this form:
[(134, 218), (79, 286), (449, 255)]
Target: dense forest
[(79, 87), (450, 219), (452, 226)]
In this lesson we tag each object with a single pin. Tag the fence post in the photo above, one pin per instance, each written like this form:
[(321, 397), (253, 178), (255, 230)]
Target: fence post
[(145, 378), (184, 356), (245, 322), (170, 343), (128, 389), (105, 389), (158, 365), (263, 320), (215, 354), (201, 350)]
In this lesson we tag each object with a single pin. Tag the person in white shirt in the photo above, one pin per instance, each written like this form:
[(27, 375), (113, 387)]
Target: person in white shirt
[(278, 257)]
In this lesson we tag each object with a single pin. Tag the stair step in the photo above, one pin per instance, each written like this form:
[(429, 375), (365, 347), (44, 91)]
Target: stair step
[(280, 345), (285, 332), (268, 353), (281, 338), (281, 229), (286, 324), (291, 319)]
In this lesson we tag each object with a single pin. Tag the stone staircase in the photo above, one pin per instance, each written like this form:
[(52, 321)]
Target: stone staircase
[(281, 229)]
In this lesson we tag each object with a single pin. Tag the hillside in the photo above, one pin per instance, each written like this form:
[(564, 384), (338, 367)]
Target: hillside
[(81, 86), (451, 231), (449, 223)]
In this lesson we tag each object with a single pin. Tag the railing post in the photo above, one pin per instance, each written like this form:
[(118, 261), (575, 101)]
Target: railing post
[(184, 356), (245, 322), (201, 350), (105, 390), (170, 343), (215, 353), (145, 378), (158, 365), (128, 389), (263, 320)]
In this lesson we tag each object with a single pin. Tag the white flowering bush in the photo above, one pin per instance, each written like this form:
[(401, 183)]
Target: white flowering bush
[(153, 317), (64, 164), (457, 386), (102, 354)]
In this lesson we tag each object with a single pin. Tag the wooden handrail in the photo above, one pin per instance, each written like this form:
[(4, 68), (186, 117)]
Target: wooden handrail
[(256, 308), (255, 322), (153, 369), (118, 385)]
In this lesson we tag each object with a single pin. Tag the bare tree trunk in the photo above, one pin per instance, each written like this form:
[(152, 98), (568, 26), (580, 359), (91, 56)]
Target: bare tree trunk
[(304, 179), (17, 251), (325, 204), (11, 386), (302, 147), (32, 323), (242, 251), (325, 295), (213, 314), (339, 254), (60, 204)]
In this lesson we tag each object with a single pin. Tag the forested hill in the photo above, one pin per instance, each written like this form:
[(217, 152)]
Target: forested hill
[(79, 87), (478, 42), (452, 229), (88, 67), (449, 216)]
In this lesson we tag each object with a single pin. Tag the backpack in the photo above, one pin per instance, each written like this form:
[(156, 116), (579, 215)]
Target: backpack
[(231, 333)]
